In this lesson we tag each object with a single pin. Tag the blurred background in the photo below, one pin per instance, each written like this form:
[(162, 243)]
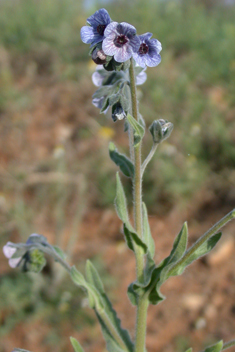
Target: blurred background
[(56, 178)]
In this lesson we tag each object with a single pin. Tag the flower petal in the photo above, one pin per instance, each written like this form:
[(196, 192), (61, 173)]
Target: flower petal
[(141, 78), (8, 250), (99, 17), (111, 30), (108, 46), (14, 262), (87, 34), (97, 79), (123, 54), (153, 61)]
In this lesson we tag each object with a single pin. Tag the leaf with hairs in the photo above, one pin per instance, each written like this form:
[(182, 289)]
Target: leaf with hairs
[(121, 160)]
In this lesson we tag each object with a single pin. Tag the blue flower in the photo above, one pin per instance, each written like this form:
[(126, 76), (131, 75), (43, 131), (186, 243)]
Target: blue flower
[(94, 33), (120, 41), (148, 52)]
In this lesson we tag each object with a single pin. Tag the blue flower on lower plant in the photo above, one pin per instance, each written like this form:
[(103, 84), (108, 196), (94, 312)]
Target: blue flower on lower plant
[(94, 33), (148, 52), (120, 41)]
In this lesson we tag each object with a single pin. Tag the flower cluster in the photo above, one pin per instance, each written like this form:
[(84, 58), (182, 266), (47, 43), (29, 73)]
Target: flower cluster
[(113, 44), (119, 41)]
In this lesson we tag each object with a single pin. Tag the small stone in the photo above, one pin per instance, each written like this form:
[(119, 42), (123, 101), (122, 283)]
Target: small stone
[(193, 301), (210, 312)]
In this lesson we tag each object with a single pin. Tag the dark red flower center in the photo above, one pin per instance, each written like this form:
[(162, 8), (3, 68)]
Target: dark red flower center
[(100, 29), (120, 40), (143, 50)]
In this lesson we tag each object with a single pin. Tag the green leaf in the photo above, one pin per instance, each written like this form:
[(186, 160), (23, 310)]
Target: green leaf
[(111, 344), (121, 160), (93, 277), (198, 252), (94, 298), (120, 201), (76, 345), (215, 348), (179, 245), (147, 232), (189, 349), (133, 240), (138, 129), (155, 276)]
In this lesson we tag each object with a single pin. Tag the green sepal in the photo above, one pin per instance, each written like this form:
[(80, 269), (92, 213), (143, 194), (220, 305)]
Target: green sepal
[(121, 160), (205, 248), (105, 105), (133, 240), (125, 97), (94, 279), (138, 129), (103, 91), (217, 347), (76, 345), (113, 99), (147, 237)]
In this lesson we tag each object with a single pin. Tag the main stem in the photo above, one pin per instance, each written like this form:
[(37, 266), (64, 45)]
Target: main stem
[(142, 306)]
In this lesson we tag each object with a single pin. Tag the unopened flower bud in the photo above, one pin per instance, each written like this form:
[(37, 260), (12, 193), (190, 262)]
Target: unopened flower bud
[(160, 130), (98, 56), (117, 112)]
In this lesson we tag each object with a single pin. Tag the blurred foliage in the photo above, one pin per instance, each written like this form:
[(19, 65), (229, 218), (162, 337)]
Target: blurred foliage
[(193, 87)]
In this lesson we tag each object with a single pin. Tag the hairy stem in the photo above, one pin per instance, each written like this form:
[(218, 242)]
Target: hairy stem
[(137, 198), (149, 157)]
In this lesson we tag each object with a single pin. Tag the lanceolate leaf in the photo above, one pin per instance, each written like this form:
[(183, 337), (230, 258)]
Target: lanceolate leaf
[(93, 277), (215, 348), (147, 232), (138, 129), (189, 349), (108, 314), (193, 255), (76, 345), (121, 160)]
